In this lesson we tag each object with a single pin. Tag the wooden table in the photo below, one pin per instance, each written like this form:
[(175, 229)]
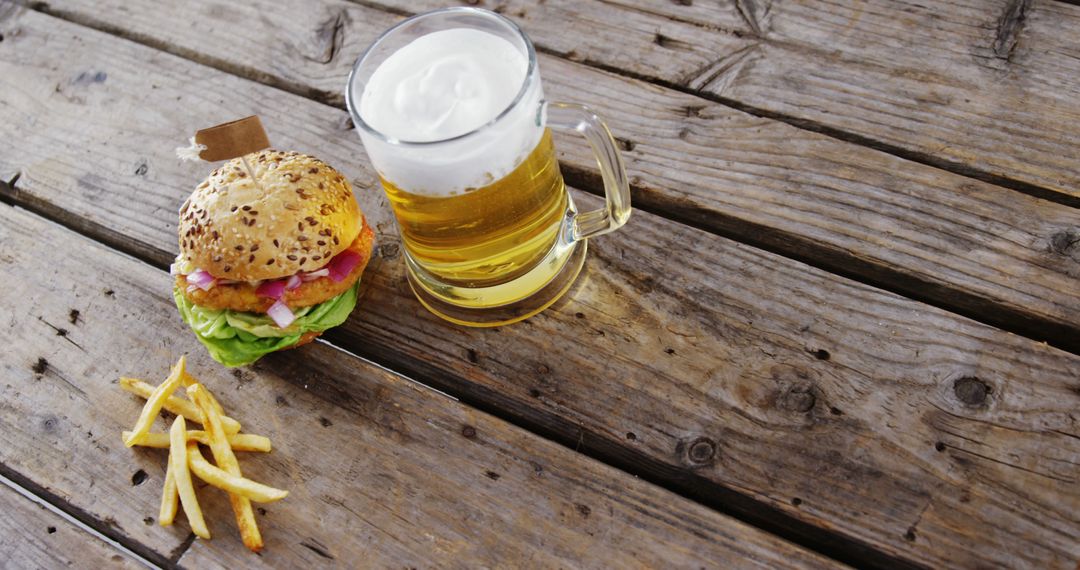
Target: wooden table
[(842, 326)]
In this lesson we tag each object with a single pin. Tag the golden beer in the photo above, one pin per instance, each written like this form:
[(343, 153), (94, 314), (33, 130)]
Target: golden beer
[(451, 111), (491, 235)]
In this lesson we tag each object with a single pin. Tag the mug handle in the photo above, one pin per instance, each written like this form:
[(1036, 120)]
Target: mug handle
[(574, 117)]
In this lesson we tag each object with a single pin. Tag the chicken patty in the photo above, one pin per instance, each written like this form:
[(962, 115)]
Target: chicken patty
[(242, 297)]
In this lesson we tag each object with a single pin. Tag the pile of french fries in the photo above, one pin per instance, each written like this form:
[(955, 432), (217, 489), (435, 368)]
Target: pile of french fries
[(220, 432)]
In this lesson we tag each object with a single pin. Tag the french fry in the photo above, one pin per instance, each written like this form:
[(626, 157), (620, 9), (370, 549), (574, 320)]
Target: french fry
[(176, 405), (231, 483), (223, 455), (154, 401), (169, 498), (179, 463), (238, 441)]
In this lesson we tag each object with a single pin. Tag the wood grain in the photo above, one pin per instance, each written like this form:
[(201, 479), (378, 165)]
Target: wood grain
[(750, 381), (379, 469), (981, 87), (31, 536), (966, 245)]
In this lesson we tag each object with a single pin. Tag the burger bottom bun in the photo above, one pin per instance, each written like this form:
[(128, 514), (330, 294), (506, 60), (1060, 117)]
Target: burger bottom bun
[(304, 339)]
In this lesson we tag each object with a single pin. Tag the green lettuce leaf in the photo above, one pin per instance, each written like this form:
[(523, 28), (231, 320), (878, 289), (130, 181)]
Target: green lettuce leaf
[(235, 338)]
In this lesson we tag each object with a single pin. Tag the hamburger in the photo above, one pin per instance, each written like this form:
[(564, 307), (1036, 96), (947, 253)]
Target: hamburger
[(272, 247)]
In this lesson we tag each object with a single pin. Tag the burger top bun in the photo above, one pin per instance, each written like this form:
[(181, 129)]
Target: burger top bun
[(295, 215)]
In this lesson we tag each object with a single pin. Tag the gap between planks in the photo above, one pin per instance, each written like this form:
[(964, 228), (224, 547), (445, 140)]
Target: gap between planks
[(790, 246), (87, 523)]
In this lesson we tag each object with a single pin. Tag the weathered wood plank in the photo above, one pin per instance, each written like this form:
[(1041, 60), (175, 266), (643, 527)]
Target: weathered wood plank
[(379, 469), (986, 85), (911, 228), (31, 536), (325, 35), (666, 46), (715, 367), (982, 87)]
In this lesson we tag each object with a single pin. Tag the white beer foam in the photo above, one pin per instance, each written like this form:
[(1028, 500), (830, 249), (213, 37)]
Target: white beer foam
[(444, 85)]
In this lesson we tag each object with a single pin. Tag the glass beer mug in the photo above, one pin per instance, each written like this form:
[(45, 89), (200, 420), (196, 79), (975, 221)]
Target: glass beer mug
[(451, 112)]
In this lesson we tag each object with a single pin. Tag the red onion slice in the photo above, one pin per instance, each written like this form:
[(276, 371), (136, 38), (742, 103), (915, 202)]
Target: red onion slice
[(271, 289), (342, 265), (201, 279), (282, 315), (293, 282)]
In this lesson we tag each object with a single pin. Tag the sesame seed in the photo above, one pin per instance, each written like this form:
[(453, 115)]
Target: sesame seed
[(303, 260), (239, 248), (270, 261), (316, 258), (255, 247), (301, 237), (228, 268), (251, 258), (321, 242), (291, 257), (246, 208), (276, 244)]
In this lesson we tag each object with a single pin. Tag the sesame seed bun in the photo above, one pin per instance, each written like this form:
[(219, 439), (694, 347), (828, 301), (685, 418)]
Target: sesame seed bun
[(292, 213), (244, 297)]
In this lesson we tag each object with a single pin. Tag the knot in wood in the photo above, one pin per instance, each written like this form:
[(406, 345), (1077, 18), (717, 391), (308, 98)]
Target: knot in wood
[(701, 451), (799, 399), (971, 391), (49, 424), (389, 250), (1063, 241)]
